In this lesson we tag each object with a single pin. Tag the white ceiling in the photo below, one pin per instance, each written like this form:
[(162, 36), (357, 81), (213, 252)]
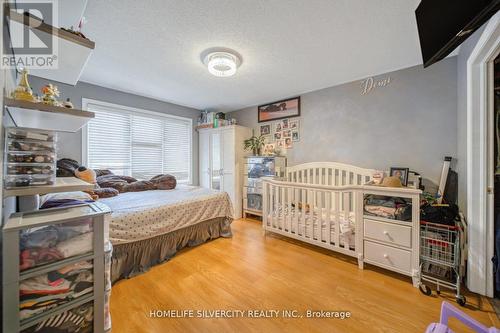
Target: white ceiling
[(289, 47)]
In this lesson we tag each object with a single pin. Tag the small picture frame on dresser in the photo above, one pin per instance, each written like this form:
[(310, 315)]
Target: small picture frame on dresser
[(401, 173)]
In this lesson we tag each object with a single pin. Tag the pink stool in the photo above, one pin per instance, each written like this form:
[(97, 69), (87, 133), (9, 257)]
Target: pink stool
[(447, 311)]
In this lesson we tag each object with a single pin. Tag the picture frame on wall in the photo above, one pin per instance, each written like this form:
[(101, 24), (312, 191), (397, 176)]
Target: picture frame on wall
[(295, 136), (288, 143), (293, 124), (265, 130), (286, 108), (401, 173), (287, 134), (277, 136), (277, 127)]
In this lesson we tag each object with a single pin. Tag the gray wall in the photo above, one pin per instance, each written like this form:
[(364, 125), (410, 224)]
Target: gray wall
[(70, 144), (410, 123), (464, 54)]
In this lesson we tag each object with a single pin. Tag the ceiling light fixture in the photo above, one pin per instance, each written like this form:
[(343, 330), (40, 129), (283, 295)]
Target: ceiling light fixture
[(222, 63)]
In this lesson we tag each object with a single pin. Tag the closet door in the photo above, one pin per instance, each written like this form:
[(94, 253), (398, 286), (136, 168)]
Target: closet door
[(204, 139), (216, 146)]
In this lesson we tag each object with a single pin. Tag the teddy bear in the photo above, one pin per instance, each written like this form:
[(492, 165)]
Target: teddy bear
[(89, 176), (67, 167)]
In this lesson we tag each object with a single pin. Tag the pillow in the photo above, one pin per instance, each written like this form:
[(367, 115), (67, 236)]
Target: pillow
[(81, 196)]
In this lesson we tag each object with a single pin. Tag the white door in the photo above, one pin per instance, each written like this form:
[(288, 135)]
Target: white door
[(204, 159), (228, 163), (216, 150)]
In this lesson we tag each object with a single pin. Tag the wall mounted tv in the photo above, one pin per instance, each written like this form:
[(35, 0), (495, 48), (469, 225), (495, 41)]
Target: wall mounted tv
[(444, 24)]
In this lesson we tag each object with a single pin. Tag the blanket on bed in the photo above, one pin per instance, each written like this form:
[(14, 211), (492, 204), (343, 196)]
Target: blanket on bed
[(142, 215)]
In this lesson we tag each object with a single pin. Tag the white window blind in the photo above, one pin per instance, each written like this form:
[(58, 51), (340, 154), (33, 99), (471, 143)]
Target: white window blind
[(138, 144)]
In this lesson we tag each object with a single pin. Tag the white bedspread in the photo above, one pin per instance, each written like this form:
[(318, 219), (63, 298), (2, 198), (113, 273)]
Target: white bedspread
[(142, 215)]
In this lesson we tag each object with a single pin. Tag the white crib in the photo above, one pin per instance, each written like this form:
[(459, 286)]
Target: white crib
[(321, 203)]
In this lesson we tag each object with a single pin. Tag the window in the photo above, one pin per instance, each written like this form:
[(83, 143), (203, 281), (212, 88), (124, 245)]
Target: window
[(137, 143)]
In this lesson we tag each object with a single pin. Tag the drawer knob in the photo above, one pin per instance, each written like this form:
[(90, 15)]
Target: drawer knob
[(386, 233), (386, 256)]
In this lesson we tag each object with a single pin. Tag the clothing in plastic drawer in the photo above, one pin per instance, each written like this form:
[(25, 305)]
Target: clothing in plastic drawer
[(30, 169), (30, 134), (31, 157), (12, 181), (30, 145), (79, 319), (50, 290), (43, 245)]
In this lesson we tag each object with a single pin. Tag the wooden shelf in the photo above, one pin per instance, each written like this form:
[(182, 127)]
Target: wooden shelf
[(47, 117), (35, 23), (63, 184), (73, 51), (9, 102)]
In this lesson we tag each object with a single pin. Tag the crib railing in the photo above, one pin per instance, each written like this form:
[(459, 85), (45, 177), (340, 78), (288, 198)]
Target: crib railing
[(323, 215)]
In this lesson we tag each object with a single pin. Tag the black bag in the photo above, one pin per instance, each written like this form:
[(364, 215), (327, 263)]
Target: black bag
[(439, 214)]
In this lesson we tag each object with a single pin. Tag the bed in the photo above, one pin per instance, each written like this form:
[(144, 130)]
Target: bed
[(149, 227)]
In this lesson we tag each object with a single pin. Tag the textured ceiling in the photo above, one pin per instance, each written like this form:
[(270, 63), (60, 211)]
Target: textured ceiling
[(289, 47)]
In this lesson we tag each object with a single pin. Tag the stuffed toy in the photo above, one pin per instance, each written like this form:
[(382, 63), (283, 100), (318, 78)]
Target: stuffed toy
[(164, 182), (67, 167), (107, 184), (85, 174), (130, 184)]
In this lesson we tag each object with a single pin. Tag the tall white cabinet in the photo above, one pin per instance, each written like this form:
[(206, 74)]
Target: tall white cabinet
[(222, 159)]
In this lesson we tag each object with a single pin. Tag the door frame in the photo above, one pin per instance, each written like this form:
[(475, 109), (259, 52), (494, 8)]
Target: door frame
[(480, 160)]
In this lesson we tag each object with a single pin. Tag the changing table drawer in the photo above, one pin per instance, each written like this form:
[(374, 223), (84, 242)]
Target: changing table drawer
[(388, 257), (389, 233)]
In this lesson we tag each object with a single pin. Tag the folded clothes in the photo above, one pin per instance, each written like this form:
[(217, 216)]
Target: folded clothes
[(35, 257), (49, 236), (52, 203), (75, 246), (388, 207), (67, 231), (25, 314), (39, 294), (29, 299), (39, 237), (382, 211), (68, 271), (40, 285), (76, 320), (385, 201), (32, 305)]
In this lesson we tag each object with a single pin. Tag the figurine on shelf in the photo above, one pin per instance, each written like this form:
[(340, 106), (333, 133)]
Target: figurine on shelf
[(50, 92), (68, 104), (23, 90)]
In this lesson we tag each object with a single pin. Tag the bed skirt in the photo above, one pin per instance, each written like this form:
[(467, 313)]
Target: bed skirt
[(134, 258)]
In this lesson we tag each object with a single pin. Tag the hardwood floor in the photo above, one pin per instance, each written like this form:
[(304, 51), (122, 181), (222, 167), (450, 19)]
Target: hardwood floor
[(253, 272)]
